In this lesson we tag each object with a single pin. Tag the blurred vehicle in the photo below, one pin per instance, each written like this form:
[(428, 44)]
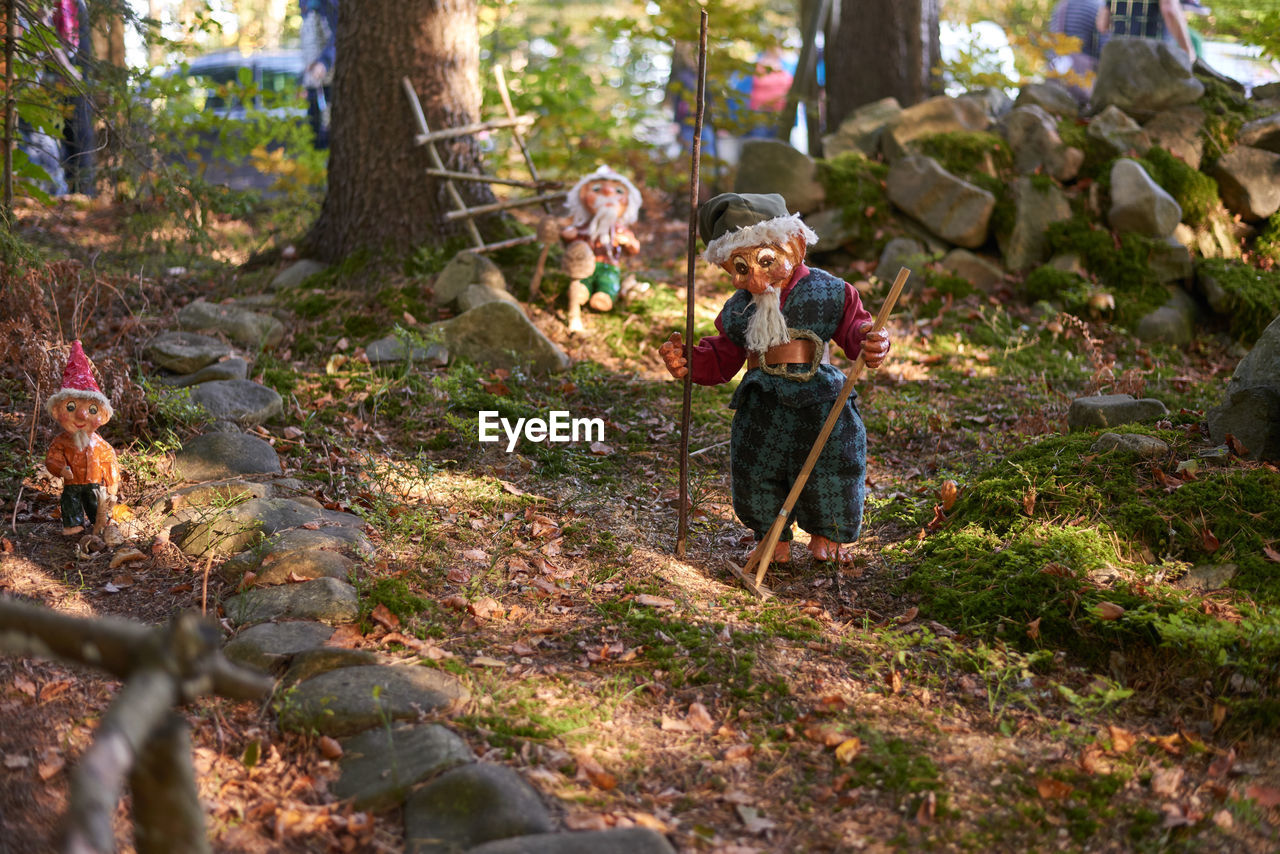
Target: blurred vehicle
[(276, 74)]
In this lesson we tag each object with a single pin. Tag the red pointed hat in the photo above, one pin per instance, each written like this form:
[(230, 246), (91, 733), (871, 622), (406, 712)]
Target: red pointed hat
[(78, 382)]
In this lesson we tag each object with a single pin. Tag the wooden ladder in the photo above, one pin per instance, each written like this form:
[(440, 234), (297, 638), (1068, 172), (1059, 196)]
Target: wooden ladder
[(544, 189)]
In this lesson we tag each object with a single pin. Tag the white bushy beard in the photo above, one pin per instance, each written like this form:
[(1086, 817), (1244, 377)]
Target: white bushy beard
[(603, 222), (767, 327), (80, 439)]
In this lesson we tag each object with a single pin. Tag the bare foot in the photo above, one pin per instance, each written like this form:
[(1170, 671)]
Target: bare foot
[(600, 301), (823, 549)]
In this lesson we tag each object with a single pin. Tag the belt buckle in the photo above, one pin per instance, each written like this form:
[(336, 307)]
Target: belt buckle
[(819, 348)]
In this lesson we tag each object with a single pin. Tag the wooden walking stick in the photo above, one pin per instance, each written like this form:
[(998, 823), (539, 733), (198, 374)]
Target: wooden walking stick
[(682, 529), (763, 553)]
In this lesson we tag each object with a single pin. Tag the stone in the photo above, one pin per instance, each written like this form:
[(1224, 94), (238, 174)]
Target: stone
[(269, 646), (1036, 206), (993, 100), (1261, 133), (861, 129), (628, 840), (935, 115), (982, 273), (1249, 181), (308, 563), (463, 271), (472, 805), (246, 328), (1179, 132), (185, 352), (833, 233), (214, 456), (192, 500), (242, 401), (380, 766), (1051, 97), (902, 252), (1170, 261), (297, 273), (1032, 134), (1207, 577), (1118, 133), (476, 295), (1172, 323), (1261, 365), (1111, 410), (949, 207), (1267, 92), (1143, 77), (1252, 416), (225, 531), (227, 369), (313, 662), (500, 335), (325, 600), (1147, 447), (1140, 205), (393, 349), (296, 543), (770, 166), (352, 699)]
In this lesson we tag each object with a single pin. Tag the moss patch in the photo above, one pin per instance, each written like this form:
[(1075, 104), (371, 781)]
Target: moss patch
[(965, 153), (1122, 269), (1253, 294), (855, 185), (1194, 191)]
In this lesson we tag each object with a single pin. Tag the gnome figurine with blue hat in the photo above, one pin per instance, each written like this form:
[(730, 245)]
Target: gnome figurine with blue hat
[(780, 322)]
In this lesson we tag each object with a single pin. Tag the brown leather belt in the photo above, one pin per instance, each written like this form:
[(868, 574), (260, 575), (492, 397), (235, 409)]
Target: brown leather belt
[(796, 352)]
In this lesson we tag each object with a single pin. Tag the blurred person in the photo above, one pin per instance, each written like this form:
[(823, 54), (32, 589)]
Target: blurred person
[(1150, 19), (768, 93), (319, 51), (1078, 19)]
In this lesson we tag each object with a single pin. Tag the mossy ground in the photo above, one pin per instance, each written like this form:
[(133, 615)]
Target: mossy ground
[(894, 700)]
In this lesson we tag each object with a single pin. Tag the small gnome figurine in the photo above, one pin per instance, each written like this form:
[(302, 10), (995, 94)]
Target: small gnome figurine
[(603, 205), (85, 462)]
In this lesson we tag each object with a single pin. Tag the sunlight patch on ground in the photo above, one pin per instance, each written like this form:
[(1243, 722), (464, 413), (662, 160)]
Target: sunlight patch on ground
[(22, 577)]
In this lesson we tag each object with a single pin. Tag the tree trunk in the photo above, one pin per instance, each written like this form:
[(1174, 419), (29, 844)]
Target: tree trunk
[(379, 195), (878, 49)]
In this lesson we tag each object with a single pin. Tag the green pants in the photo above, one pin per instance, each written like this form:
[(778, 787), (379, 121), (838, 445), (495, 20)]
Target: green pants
[(606, 278), (770, 442)]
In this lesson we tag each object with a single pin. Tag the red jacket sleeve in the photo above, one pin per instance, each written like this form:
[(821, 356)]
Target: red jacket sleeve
[(716, 359), (849, 333)]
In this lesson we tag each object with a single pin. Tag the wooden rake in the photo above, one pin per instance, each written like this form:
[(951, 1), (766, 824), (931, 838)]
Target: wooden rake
[(763, 553)]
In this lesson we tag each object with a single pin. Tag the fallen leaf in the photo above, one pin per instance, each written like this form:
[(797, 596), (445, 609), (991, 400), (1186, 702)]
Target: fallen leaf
[(487, 608), (122, 580), (828, 735), (126, 556), (670, 724), (907, 616), (1271, 554), (752, 820), (329, 747), (1033, 628), (53, 689), (593, 772), (1174, 816), (600, 449), (476, 555), (1122, 741), (486, 661), (522, 648), (25, 685), (699, 718), (738, 752), (382, 615), (346, 636), (1208, 541), (1165, 782), (1053, 790), (848, 750), (1221, 766), (458, 575), (586, 821), (1266, 796), (1223, 819), (1108, 611), (655, 601), (948, 493), (50, 767), (1029, 501), (13, 761)]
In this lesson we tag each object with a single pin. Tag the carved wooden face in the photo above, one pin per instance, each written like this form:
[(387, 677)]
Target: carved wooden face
[(757, 268), (603, 193), (76, 414)]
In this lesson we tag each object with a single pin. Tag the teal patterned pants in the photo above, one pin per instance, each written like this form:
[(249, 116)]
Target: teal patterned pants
[(770, 442)]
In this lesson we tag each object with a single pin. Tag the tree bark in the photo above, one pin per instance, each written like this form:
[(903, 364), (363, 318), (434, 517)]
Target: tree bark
[(379, 195), (878, 49), (167, 816)]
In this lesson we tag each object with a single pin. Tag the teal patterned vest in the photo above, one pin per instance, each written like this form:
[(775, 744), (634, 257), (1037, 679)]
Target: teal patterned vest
[(816, 303)]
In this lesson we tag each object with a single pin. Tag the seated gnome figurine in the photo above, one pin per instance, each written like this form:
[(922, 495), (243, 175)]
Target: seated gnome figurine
[(85, 462), (603, 205), (779, 322)]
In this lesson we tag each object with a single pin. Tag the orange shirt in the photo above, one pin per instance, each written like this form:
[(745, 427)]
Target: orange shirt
[(95, 464)]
